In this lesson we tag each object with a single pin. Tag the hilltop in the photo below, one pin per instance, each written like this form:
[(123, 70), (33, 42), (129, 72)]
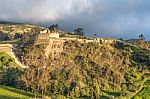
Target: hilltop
[(12, 31)]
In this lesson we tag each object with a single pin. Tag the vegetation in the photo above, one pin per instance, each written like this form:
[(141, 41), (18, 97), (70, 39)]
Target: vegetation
[(79, 31), (37, 75), (143, 94), (16, 41), (82, 70), (14, 31), (53, 28), (90, 70), (6, 61)]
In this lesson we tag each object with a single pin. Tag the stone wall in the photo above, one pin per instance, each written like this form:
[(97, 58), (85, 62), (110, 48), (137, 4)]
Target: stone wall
[(98, 40), (44, 31), (6, 48), (53, 35), (55, 45), (43, 38)]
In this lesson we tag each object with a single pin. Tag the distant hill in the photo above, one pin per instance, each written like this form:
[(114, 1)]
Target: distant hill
[(12, 31), (6, 22)]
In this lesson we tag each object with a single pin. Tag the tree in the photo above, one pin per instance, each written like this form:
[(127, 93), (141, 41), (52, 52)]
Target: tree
[(17, 35), (121, 39), (79, 31), (96, 88), (36, 76), (53, 28), (10, 77), (95, 35), (141, 37), (3, 36)]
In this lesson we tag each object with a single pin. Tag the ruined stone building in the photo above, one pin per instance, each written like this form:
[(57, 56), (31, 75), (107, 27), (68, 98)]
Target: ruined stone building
[(45, 35)]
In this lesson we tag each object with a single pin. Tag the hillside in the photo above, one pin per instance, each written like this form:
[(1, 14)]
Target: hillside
[(94, 70), (6, 61), (73, 66)]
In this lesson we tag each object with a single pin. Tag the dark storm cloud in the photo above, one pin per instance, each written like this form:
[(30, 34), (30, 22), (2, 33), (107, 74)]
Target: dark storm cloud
[(107, 18)]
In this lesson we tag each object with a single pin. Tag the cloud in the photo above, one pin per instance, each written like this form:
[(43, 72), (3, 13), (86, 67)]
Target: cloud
[(107, 18)]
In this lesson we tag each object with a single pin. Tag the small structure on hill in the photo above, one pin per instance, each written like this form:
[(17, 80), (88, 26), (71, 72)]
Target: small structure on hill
[(46, 34), (45, 31)]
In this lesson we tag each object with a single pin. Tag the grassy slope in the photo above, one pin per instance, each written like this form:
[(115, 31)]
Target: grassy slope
[(12, 93), (143, 94), (7, 61), (9, 92)]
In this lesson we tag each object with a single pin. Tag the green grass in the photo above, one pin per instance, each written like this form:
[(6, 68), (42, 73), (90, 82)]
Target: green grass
[(6, 61), (10, 42), (12, 93), (143, 94)]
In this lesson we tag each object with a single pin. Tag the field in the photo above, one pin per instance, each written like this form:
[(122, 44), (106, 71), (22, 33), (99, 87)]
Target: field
[(12, 93)]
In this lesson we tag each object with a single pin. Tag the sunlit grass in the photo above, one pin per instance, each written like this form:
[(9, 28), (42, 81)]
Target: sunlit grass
[(12, 93), (10, 42), (143, 94)]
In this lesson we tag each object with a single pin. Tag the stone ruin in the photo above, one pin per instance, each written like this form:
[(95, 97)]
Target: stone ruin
[(45, 35)]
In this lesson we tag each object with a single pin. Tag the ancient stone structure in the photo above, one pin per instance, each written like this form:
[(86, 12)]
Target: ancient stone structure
[(42, 38), (45, 35), (6, 48), (54, 35), (44, 31), (55, 43), (101, 40)]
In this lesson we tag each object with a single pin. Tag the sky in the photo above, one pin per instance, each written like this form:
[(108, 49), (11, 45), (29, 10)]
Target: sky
[(107, 18)]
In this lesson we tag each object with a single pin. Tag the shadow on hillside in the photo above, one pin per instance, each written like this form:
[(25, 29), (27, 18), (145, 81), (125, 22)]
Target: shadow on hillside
[(138, 55), (116, 94), (17, 91), (31, 39), (104, 97), (8, 97)]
